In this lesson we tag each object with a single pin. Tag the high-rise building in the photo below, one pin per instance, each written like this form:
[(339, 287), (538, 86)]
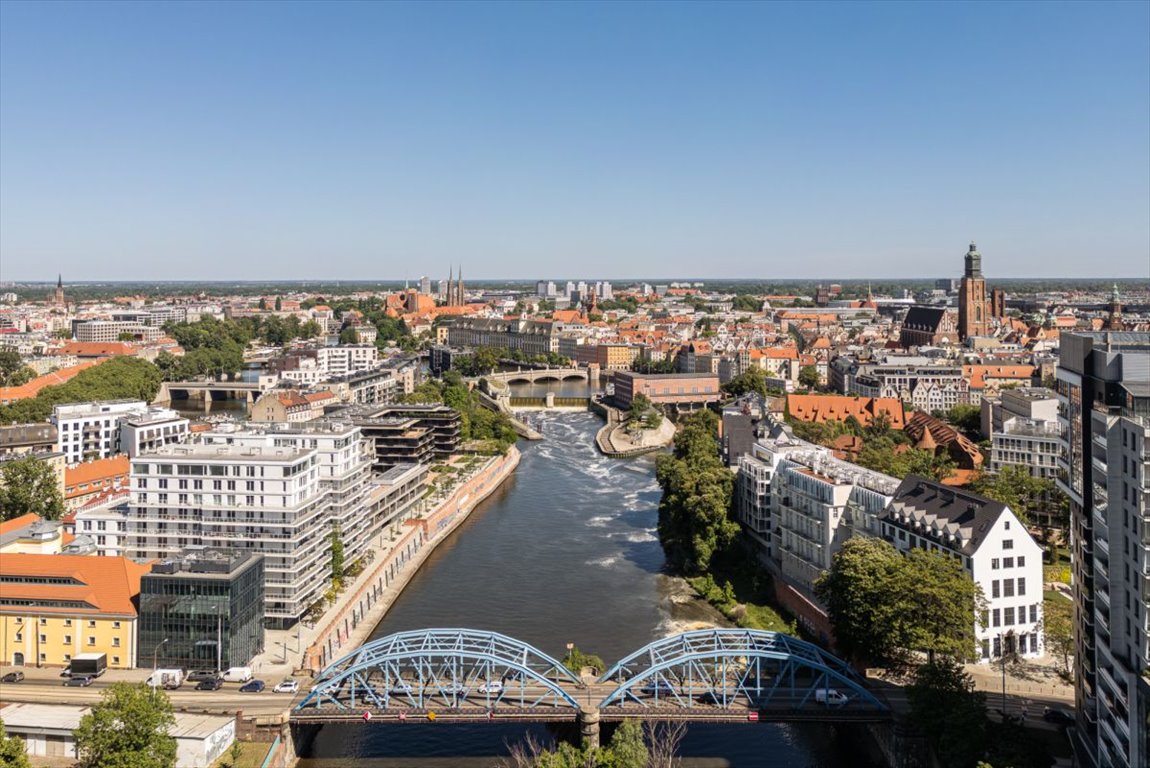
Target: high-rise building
[(973, 309), (1104, 393)]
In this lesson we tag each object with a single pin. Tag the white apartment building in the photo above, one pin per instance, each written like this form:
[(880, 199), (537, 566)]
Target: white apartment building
[(106, 331), (994, 548), (347, 358), (800, 503), (92, 430), (278, 489), (105, 522), (154, 428)]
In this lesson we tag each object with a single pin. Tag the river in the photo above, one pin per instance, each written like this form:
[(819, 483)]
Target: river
[(565, 551)]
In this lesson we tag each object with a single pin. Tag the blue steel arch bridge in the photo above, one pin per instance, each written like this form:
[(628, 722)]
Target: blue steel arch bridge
[(705, 675)]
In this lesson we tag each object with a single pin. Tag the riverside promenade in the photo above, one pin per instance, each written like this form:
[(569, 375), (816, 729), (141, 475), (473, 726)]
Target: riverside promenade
[(351, 619)]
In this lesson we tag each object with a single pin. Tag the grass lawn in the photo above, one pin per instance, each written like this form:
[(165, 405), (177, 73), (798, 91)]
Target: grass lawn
[(252, 755), (750, 589)]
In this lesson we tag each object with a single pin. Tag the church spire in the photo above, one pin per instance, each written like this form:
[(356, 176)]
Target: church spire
[(60, 281)]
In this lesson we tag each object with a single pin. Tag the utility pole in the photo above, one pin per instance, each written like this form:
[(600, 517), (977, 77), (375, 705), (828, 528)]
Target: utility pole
[(219, 641)]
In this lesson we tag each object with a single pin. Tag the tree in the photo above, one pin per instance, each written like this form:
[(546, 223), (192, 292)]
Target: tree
[(349, 335), (940, 601), (1014, 486), (968, 418), (13, 372), (12, 752), (128, 728), (694, 511), (279, 303), (809, 376), (310, 329), (861, 606), (945, 706), (29, 485), (263, 304), (336, 557), (1058, 626), (751, 380)]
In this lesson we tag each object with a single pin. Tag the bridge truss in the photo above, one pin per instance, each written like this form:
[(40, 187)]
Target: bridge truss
[(737, 669), (443, 669)]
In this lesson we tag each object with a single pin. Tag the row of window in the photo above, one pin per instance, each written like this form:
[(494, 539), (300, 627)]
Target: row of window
[(1006, 617), (1007, 562), (68, 639), (1007, 587), (68, 657)]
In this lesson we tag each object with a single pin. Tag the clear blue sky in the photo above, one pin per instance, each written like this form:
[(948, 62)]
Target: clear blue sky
[(386, 140)]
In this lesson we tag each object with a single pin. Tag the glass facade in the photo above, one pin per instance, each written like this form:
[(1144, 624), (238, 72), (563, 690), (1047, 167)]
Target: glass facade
[(209, 610)]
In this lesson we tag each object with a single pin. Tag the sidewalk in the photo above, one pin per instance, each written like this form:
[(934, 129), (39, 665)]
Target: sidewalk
[(284, 650), (1032, 677)]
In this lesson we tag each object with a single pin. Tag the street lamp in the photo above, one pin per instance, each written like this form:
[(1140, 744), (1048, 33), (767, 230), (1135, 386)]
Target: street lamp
[(155, 656)]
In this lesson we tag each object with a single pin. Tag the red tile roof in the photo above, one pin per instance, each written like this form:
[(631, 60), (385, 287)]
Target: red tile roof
[(107, 584)]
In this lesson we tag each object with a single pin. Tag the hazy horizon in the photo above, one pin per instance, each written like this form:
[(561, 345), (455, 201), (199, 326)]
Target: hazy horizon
[(184, 140)]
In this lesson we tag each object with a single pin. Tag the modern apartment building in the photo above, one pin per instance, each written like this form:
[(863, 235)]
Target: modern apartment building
[(203, 610), (114, 330), (92, 430), (153, 428), (280, 490), (1103, 381), (994, 548), (1024, 431)]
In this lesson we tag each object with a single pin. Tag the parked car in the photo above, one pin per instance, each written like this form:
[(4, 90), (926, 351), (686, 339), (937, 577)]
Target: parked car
[(12, 677), (1057, 716), (287, 686), (253, 686), (491, 687), (200, 675), (211, 684), (237, 674), (658, 687), (78, 681)]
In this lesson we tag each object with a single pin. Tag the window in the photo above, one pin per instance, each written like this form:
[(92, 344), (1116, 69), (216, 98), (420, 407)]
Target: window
[(998, 646), (115, 642), (115, 660), (1008, 562), (67, 622), (91, 623), (994, 592), (43, 622), (1008, 543), (1008, 617), (115, 625), (1022, 586), (1034, 613), (1006, 525), (67, 639), (1021, 561), (91, 640), (19, 637), (995, 617), (994, 564), (43, 657), (43, 638), (1008, 588)]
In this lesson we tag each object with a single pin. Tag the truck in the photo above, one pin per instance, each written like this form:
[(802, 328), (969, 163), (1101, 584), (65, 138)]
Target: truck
[(237, 675), (89, 664), (831, 697), (166, 678)]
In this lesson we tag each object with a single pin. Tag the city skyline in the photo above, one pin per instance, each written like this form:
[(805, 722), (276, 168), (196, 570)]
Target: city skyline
[(157, 142)]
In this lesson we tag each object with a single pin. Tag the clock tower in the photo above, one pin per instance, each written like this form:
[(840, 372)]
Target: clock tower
[(973, 310)]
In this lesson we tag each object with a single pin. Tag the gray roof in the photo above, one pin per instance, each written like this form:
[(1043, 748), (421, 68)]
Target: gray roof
[(924, 318), (958, 519)]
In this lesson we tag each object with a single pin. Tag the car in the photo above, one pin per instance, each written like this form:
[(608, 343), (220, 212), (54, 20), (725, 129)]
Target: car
[(200, 675), (658, 688), (453, 689), (78, 681), (287, 686), (831, 697), (1057, 716), (211, 684), (66, 672), (710, 697), (12, 677), (491, 687), (253, 686)]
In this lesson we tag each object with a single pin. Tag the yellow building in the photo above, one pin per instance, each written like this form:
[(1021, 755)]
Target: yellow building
[(53, 607)]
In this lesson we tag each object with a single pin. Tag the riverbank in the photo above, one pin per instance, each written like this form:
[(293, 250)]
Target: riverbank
[(615, 441), (350, 621)]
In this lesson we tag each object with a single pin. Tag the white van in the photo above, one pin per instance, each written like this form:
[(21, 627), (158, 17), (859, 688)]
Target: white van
[(831, 697), (237, 675), (166, 678)]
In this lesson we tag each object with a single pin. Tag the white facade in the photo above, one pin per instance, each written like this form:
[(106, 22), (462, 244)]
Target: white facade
[(152, 429), (105, 522), (995, 549), (92, 430), (279, 490), (347, 358)]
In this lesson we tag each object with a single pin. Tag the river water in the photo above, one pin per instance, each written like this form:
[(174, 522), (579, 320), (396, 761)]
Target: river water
[(565, 551)]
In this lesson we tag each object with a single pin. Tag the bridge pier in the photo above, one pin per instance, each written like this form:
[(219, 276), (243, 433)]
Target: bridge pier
[(549, 400), (589, 727)]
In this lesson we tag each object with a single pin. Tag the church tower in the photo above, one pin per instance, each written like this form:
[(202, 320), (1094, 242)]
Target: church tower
[(58, 299), (973, 312), (1114, 309)]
